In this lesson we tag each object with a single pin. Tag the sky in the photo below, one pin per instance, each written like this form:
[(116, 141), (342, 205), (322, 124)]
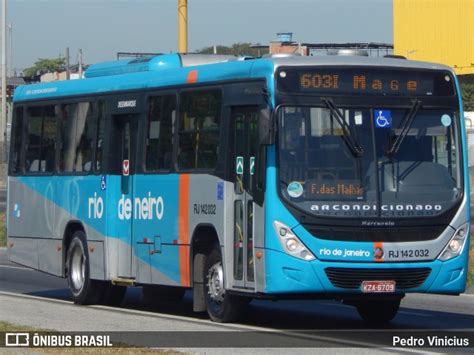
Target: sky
[(101, 28)]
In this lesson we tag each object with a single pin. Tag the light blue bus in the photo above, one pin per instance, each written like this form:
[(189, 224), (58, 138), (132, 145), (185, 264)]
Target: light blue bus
[(285, 177)]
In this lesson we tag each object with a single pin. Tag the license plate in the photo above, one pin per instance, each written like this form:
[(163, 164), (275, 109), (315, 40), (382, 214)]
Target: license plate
[(378, 286)]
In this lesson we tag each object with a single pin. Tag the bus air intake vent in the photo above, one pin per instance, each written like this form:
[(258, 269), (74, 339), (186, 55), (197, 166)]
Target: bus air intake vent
[(352, 278)]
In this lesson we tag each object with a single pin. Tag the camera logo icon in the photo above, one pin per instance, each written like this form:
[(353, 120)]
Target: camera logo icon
[(17, 339)]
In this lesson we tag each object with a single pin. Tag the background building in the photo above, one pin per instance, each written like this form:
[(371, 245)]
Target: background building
[(439, 31), (286, 45)]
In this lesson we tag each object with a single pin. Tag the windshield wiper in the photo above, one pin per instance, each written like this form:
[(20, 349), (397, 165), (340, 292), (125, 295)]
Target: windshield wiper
[(405, 126), (350, 141)]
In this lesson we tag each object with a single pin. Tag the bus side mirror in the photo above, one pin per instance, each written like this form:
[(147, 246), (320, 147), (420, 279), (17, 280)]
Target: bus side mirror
[(265, 127)]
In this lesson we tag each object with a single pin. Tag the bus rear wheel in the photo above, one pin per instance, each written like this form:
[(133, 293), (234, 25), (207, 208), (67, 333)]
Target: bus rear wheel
[(221, 306), (83, 289), (378, 311)]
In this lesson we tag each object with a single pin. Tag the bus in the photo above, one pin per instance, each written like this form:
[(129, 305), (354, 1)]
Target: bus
[(282, 177)]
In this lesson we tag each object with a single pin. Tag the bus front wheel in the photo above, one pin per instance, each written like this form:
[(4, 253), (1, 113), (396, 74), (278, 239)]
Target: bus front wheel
[(222, 307), (378, 311), (83, 289)]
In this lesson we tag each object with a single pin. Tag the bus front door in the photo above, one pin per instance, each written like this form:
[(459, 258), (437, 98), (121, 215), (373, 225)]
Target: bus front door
[(245, 120), (123, 153)]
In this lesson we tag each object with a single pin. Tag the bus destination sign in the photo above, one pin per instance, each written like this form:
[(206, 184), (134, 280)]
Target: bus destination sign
[(365, 81)]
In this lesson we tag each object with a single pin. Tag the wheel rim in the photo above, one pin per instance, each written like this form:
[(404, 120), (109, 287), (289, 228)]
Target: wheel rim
[(78, 268), (215, 283)]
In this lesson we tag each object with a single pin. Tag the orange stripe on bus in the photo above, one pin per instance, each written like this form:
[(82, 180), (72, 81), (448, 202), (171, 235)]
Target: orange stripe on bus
[(183, 228), (192, 77), (378, 245)]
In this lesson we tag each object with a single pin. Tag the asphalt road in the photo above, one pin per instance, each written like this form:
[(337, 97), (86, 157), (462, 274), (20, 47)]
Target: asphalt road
[(418, 312)]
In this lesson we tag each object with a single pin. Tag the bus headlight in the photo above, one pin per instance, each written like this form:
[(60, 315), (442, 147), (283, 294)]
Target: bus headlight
[(456, 244), (291, 243)]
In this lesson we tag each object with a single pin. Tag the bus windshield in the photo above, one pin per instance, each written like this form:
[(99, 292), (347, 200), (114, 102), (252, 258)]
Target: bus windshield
[(408, 166)]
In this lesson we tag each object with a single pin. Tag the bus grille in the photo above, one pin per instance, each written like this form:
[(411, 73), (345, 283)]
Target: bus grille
[(387, 235), (352, 278)]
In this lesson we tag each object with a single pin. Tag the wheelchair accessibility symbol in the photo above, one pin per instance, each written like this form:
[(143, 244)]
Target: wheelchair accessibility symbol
[(103, 182), (383, 118)]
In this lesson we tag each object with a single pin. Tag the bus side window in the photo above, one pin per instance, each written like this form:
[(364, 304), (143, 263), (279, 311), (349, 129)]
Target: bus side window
[(41, 139), (17, 142), (159, 142), (199, 129), (100, 133), (78, 131)]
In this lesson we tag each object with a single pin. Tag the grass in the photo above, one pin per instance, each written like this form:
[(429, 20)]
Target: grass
[(10, 327), (3, 230)]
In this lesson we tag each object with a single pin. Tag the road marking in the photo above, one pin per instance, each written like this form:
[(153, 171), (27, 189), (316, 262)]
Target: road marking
[(335, 304), (467, 295), (38, 298), (16, 267), (415, 314), (242, 327)]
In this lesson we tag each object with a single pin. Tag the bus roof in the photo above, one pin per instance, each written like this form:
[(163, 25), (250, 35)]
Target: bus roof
[(175, 69)]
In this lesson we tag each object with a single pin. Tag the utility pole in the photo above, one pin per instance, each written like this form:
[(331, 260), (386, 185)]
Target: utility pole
[(182, 26), (10, 50), (80, 64), (68, 69), (3, 118)]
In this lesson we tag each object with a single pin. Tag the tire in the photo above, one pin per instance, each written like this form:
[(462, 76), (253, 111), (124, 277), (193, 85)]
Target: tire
[(378, 311), (222, 307), (162, 295), (83, 289), (113, 295)]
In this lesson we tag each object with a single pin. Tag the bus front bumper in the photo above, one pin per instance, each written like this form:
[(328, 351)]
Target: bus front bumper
[(286, 274)]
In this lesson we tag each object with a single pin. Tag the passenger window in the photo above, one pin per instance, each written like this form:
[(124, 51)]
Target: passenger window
[(100, 136), (17, 142), (78, 129), (41, 139), (159, 143), (199, 129)]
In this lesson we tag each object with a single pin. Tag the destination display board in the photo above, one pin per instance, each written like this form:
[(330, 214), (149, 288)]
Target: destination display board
[(364, 81)]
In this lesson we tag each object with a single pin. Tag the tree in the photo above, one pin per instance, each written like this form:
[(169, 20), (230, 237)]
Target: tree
[(43, 66), (468, 96), (466, 82), (238, 49)]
